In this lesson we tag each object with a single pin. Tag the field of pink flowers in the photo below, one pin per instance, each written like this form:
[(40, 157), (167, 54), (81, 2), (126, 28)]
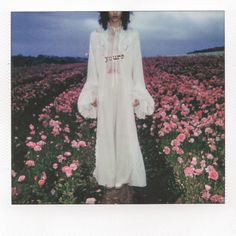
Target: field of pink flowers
[(182, 142)]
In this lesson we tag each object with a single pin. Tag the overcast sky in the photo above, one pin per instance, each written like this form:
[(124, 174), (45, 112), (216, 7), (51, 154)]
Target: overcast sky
[(161, 32)]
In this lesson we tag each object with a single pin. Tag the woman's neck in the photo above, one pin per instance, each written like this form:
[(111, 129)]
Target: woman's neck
[(115, 24)]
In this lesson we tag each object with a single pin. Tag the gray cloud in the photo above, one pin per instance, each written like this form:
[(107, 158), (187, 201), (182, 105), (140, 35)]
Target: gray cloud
[(161, 32)]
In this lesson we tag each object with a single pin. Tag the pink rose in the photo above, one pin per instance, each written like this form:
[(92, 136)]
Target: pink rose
[(166, 150), (208, 130), (41, 143), (37, 148), (206, 195), (67, 170), (191, 140), (13, 173), (31, 127), (217, 198), (194, 161), (60, 158), (180, 129), (67, 129), (73, 166), (41, 182), (198, 171), (30, 163), (74, 144), (76, 162), (207, 187), (197, 132), (212, 147), (21, 178), (66, 140), (44, 176), (175, 142), (55, 166), (209, 156), (180, 160), (213, 175), (188, 171), (82, 143), (180, 151), (31, 144), (181, 137), (203, 163), (43, 137), (67, 154)]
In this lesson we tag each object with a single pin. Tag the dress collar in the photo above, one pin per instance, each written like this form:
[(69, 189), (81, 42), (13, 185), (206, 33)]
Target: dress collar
[(103, 35), (113, 29)]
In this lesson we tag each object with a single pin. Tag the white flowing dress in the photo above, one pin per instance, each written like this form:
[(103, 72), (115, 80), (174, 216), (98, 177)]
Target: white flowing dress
[(118, 157)]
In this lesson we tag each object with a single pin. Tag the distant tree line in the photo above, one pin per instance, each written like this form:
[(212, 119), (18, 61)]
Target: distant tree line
[(215, 49), (20, 60)]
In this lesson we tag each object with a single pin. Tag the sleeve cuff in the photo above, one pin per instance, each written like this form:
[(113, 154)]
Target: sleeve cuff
[(146, 102), (86, 98)]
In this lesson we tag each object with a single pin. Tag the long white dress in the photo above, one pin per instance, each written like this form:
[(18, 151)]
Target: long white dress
[(115, 79)]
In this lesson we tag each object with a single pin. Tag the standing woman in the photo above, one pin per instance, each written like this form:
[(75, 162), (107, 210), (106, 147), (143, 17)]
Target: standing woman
[(113, 93)]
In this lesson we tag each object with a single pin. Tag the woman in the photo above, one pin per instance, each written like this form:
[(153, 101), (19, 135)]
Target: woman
[(113, 93)]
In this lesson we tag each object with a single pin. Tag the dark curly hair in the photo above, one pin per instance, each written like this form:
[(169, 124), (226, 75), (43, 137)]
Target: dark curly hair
[(104, 18)]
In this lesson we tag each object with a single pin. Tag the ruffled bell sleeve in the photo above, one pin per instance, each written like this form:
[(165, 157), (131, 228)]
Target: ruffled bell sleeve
[(139, 91), (89, 92)]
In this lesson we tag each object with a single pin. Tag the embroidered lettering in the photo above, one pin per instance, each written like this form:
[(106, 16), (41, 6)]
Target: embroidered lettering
[(114, 58)]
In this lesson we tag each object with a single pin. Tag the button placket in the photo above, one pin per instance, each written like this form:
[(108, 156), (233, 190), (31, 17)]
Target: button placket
[(112, 61)]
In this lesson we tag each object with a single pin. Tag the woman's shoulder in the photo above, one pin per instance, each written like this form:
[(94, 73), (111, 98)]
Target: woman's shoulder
[(132, 30), (94, 34), (134, 33)]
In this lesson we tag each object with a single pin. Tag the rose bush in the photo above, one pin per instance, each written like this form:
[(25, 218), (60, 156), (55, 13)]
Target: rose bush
[(188, 126)]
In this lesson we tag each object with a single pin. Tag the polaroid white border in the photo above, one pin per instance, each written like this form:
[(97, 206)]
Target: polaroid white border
[(153, 219)]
